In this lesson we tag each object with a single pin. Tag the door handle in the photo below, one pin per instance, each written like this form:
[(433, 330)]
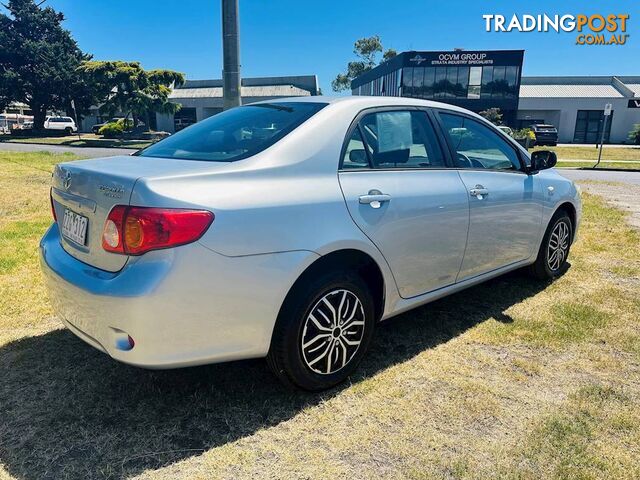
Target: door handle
[(478, 191), (375, 198)]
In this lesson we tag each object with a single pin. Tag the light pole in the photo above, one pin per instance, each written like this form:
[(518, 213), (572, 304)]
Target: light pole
[(230, 55)]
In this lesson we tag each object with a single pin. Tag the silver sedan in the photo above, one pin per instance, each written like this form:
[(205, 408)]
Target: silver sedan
[(288, 229)]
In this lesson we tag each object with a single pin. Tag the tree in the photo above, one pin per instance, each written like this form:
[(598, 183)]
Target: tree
[(38, 59), (493, 115), (367, 50), (126, 87)]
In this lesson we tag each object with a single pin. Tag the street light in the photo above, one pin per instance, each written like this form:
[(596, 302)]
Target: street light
[(230, 55)]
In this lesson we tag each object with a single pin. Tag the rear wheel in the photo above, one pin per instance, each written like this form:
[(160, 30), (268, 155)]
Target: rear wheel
[(322, 332), (68, 131), (554, 250)]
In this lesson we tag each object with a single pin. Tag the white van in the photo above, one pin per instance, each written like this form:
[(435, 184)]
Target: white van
[(61, 123)]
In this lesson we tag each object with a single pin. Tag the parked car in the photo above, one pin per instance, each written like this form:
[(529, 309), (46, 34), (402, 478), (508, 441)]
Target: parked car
[(506, 130), (63, 124), (545, 134), (287, 229)]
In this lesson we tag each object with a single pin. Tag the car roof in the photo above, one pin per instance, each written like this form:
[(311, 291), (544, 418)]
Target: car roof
[(364, 101)]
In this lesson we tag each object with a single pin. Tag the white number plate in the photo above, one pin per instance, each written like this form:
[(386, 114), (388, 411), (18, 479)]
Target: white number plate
[(74, 227)]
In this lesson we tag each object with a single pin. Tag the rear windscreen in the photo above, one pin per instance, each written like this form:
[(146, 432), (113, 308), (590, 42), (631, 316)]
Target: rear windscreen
[(234, 134)]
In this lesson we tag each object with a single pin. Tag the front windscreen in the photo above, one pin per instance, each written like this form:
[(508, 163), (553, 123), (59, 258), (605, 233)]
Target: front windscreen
[(234, 134)]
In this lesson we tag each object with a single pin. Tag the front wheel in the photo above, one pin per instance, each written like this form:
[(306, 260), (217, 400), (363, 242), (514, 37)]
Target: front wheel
[(68, 131), (554, 250), (322, 332)]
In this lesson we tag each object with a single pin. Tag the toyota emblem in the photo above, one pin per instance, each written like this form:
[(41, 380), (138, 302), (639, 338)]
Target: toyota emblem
[(66, 181)]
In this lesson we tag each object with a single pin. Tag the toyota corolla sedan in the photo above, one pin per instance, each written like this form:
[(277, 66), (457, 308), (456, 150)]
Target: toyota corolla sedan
[(288, 229)]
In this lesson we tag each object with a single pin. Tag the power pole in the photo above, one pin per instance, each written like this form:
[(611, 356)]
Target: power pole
[(230, 55)]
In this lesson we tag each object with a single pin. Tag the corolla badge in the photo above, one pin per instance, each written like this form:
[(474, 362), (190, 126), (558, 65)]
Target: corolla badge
[(112, 191)]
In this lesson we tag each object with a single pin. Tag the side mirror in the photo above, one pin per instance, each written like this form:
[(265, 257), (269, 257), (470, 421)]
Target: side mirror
[(543, 159)]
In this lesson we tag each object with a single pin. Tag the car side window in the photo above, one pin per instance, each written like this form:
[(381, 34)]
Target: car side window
[(477, 146), (355, 155), (401, 139)]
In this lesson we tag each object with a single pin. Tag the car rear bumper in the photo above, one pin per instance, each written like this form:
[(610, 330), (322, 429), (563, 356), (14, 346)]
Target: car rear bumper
[(183, 306), (546, 138)]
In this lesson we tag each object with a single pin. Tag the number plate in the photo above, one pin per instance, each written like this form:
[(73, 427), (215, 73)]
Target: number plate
[(74, 227)]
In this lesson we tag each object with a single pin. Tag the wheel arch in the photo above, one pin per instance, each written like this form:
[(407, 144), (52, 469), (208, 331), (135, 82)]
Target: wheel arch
[(350, 259), (570, 209)]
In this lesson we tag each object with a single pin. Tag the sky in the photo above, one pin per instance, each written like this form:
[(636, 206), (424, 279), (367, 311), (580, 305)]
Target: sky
[(285, 37)]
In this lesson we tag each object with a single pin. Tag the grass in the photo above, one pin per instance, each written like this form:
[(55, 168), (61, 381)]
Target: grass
[(511, 379), (609, 153), (604, 164), (86, 140)]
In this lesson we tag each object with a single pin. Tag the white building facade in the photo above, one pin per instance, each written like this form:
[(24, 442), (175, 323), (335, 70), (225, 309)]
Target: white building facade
[(200, 99), (575, 105)]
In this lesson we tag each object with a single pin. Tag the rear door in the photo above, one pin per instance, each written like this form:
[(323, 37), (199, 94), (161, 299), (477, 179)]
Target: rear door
[(505, 202), (401, 195)]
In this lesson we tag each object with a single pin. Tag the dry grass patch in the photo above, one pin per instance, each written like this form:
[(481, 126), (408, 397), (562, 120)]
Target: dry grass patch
[(511, 379)]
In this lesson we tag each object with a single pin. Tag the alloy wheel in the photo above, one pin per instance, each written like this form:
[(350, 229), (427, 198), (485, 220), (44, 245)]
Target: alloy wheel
[(333, 332), (558, 246)]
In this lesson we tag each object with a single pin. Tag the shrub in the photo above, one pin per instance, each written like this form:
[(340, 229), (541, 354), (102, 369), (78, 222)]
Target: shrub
[(634, 134), (524, 133), (494, 115), (112, 129)]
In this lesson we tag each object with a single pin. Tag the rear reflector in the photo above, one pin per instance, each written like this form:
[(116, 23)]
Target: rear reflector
[(137, 230)]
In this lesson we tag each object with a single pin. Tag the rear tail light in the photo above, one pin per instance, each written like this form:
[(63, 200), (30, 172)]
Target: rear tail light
[(53, 206), (136, 230)]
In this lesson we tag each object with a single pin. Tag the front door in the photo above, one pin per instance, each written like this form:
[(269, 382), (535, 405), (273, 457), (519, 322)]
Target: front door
[(401, 195), (505, 203)]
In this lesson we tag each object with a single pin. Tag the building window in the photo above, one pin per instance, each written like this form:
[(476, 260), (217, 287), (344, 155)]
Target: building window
[(429, 78), (440, 82), (475, 80), (487, 82), (418, 81), (498, 84), (589, 126), (511, 77), (407, 82), (462, 85)]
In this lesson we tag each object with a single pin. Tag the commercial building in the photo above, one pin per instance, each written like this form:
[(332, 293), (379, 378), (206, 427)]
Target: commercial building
[(475, 80), (203, 98), (575, 105), (478, 80)]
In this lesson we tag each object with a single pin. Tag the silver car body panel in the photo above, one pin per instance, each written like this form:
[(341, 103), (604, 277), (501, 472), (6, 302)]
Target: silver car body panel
[(421, 230), (275, 214)]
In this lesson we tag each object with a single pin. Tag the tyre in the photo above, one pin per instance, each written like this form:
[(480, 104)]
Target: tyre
[(68, 131), (554, 250), (323, 330)]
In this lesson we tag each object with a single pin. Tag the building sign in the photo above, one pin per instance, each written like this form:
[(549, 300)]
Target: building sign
[(465, 58), (456, 59), (634, 103)]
